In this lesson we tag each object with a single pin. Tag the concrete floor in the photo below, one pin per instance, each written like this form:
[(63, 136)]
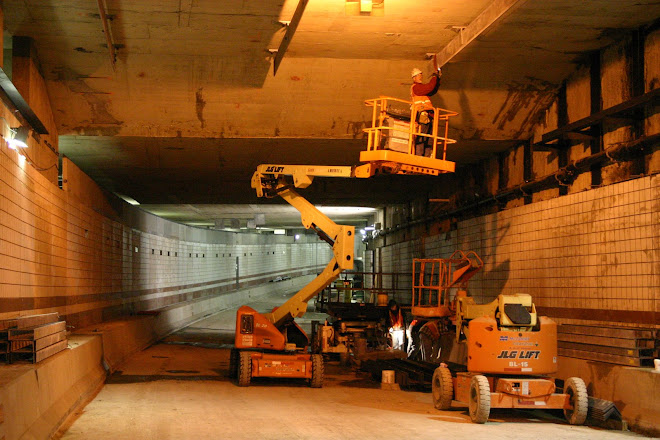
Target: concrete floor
[(178, 389)]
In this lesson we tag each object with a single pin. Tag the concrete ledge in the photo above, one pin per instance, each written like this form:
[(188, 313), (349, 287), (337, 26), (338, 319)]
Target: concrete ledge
[(634, 391), (35, 400)]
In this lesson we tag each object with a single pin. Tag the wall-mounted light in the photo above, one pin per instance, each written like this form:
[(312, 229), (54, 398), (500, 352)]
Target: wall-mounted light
[(18, 138), (374, 8), (366, 6)]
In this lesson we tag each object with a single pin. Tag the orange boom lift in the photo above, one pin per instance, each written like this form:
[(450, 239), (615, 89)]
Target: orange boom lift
[(508, 350), (272, 344)]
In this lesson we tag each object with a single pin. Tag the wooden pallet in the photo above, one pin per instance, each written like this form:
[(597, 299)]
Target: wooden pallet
[(39, 332), (35, 344), (4, 345), (36, 320), (29, 353), (7, 323), (616, 345), (38, 344), (29, 321), (4, 350)]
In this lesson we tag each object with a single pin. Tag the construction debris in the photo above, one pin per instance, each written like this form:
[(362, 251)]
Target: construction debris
[(634, 347)]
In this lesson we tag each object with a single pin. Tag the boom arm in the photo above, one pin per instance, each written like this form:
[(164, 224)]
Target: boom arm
[(269, 181)]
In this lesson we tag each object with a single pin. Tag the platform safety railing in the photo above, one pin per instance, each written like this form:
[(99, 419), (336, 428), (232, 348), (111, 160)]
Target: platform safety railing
[(384, 107)]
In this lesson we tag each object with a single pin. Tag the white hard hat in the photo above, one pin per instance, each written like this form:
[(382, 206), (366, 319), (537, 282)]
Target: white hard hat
[(415, 72)]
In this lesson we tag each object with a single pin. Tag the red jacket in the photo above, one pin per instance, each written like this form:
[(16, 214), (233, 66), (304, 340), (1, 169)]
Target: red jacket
[(427, 89), (420, 92)]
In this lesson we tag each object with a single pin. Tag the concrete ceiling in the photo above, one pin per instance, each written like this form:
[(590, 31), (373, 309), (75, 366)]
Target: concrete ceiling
[(192, 105)]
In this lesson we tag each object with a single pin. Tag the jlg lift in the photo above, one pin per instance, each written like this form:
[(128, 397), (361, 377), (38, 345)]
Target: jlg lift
[(501, 353), (272, 344)]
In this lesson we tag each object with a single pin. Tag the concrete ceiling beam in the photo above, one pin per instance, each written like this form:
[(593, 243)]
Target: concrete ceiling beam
[(466, 34)]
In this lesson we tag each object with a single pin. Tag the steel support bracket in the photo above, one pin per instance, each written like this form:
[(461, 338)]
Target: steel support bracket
[(288, 36)]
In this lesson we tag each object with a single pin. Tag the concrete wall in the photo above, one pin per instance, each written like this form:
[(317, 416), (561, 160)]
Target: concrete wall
[(634, 391), (59, 255), (29, 82), (652, 81)]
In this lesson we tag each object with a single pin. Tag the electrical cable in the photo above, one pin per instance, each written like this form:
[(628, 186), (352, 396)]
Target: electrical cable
[(31, 161), (36, 167)]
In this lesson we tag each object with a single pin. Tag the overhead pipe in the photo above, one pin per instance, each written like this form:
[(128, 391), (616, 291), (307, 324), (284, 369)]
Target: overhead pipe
[(563, 176), (107, 32)]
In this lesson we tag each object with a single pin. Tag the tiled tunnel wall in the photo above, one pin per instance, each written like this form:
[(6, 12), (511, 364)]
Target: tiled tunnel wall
[(59, 255), (593, 255)]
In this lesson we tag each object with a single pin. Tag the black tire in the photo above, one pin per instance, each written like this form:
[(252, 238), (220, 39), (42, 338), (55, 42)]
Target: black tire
[(344, 359), (317, 371), (579, 399), (233, 363), (244, 369), (442, 388), (479, 399), (314, 340)]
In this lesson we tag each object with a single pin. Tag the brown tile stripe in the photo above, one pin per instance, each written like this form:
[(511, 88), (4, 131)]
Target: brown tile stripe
[(27, 303), (614, 316)]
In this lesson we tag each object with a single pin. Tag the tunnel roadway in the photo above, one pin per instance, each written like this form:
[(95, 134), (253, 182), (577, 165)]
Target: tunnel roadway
[(179, 389)]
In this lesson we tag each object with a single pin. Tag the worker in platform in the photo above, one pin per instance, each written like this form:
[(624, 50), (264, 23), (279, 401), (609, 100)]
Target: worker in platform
[(396, 325), (419, 95)]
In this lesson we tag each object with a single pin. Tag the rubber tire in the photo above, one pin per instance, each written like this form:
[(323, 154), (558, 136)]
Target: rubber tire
[(479, 399), (244, 369), (317, 371), (233, 363), (344, 359), (579, 398), (442, 388)]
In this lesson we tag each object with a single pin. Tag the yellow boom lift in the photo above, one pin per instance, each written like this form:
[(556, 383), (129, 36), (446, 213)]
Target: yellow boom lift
[(502, 353), (272, 344)]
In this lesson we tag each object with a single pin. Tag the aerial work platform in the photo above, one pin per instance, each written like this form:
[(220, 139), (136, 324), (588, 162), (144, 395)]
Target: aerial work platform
[(272, 344), (396, 129)]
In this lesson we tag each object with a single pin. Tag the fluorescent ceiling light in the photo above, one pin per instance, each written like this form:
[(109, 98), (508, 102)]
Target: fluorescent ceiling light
[(128, 199), (366, 5), (345, 210)]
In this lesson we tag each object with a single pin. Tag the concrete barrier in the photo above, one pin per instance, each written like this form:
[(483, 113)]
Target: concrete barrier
[(635, 391), (37, 398)]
